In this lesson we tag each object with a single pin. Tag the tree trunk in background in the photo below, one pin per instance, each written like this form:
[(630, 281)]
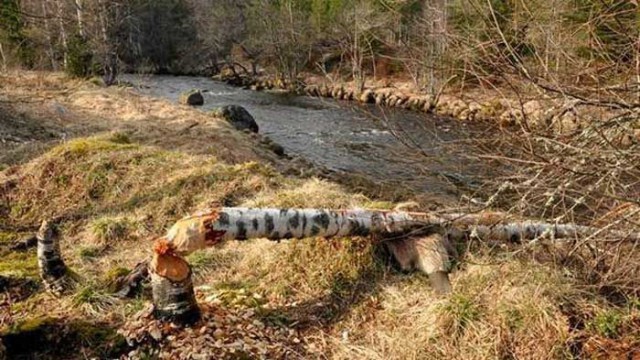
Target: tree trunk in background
[(63, 33), (50, 50), (172, 287), (3, 68), (80, 16), (52, 268)]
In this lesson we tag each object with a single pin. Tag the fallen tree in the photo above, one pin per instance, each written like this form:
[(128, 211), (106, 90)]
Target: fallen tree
[(415, 239), (214, 226)]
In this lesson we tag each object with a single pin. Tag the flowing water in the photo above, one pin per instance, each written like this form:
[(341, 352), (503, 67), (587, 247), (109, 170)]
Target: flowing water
[(424, 152)]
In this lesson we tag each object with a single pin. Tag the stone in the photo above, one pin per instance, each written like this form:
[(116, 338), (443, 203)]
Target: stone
[(367, 96), (324, 91), (193, 98), (237, 116), (392, 100), (311, 90)]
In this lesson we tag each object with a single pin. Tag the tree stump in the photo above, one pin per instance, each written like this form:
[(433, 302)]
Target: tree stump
[(172, 288), (53, 270)]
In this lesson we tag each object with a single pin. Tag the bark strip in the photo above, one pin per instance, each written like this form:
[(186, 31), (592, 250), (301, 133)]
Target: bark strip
[(53, 270), (172, 288)]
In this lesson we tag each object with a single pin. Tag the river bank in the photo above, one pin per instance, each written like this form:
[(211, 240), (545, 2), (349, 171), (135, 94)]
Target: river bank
[(512, 105), (117, 168)]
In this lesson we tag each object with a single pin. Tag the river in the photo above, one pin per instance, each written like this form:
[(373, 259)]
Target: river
[(424, 152)]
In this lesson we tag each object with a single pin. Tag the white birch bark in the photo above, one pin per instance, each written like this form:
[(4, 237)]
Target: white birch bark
[(80, 16), (63, 32), (4, 59), (47, 28), (209, 228)]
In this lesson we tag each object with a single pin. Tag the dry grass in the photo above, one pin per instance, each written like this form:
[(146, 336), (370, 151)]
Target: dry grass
[(115, 190)]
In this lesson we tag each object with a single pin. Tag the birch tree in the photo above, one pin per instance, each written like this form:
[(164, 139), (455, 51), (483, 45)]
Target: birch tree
[(412, 238)]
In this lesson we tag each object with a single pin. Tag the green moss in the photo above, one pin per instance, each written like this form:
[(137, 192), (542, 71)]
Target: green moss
[(96, 81), (115, 273), (120, 138), (237, 298), (8, 237), (31, 325), (110, 280), (607, 323), (85, 146), (462, 311), (19, 264), (89, 252), (382, 205)]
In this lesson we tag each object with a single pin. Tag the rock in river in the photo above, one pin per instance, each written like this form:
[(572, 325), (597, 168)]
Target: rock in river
[(238, 116), (193, 97)]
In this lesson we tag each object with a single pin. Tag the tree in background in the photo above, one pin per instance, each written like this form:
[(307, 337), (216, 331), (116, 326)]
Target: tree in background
[(12, 34), (566, 44)]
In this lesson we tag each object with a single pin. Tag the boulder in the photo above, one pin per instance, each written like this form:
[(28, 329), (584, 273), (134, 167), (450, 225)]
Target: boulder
[(367, 96), (237, 116), (193, 98)]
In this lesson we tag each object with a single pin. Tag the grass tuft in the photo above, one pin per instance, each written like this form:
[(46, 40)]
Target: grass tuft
[(107, 230)]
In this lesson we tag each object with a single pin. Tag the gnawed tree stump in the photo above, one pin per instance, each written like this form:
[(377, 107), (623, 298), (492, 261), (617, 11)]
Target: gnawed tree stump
[(53, 270), (172, 287)]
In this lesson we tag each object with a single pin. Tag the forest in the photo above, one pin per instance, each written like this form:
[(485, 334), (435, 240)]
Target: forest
[(568, 44), (319, 179)]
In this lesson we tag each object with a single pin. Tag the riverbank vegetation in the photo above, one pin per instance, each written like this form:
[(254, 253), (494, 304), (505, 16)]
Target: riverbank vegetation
[(576, 48), (115, 169)]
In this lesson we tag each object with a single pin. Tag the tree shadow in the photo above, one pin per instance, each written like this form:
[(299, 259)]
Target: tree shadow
[(346, 294), (45, 338)]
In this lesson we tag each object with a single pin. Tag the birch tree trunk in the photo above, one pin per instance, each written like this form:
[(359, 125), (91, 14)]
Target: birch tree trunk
[(209, 228), (3, 68), (215, 226), (53, 270), (80, 16), (47, 28), (410, 236), (63, 33)]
